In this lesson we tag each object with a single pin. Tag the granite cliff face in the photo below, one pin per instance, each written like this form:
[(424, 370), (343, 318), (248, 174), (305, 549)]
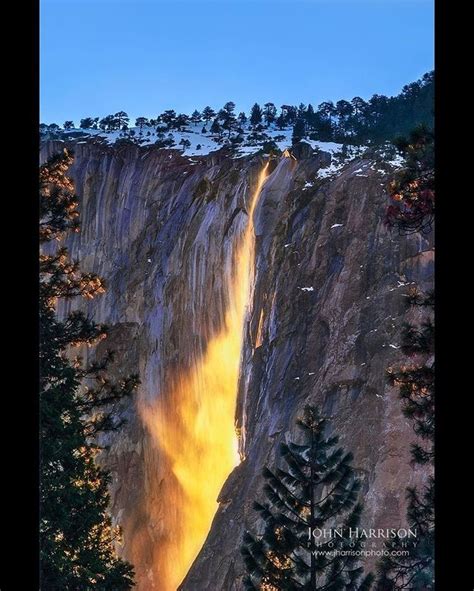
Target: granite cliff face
[(322, 324)]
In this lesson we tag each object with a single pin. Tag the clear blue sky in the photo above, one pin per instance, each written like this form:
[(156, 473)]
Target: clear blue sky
[(145, 56)]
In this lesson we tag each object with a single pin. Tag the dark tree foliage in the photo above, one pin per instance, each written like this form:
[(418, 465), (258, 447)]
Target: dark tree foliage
[(208, 114), (89, 123), (76, 533), (415, 382), (196, 117), (229, 107), (290, 114), (269, 113), (226, 117), (256, 114), (180, 122), (109, 123), (142, 122), (122, 119), (168, 118), (323, 128), (308, 114), (242, 118), (299, 131), (280, 121), (376, 121), (317, 490), (413, 190), (51, 131), (379, 120), (185, 143), (216, 127)]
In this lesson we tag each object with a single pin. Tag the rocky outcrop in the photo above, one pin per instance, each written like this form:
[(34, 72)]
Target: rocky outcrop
[(323, 324)]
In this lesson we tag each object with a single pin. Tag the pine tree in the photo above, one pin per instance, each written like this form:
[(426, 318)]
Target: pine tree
[(89, 123), (413, 190), (309, 115), (185, 143), (76, 533), (227, 118), (216, 127), (323, 127), (168, 118), (53, 130), (299, 131), (86, 123), (196, 117), (208, 114), (358, 105), (318, 491), (242, 119), (281, 121), (141, 122), (415, 382), (300, 113), (180, 122), (108, 123), (327, 109), (344, 109), (121, 119), (256, 115), (290, 113), (269, 113), (229, 107)]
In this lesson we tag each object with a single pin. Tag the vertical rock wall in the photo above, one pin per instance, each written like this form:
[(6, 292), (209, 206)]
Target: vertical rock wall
[(324, 323)]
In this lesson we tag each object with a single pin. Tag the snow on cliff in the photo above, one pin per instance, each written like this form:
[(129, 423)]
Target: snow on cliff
[(195, 140), (201, 143)]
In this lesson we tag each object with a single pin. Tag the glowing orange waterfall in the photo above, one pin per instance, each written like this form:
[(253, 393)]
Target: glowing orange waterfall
[(194, 426)]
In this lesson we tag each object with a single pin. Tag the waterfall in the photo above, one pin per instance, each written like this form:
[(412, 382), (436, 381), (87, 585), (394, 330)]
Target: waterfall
[(193, 424)]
